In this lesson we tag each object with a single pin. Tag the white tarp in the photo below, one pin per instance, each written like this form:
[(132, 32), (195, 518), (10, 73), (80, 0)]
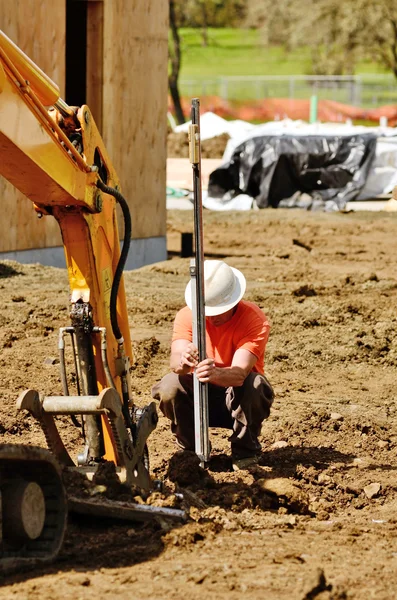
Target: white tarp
[(211, 125), (381, 179)]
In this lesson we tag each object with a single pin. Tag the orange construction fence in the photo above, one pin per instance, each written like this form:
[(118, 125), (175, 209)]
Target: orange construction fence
[(270, 109)]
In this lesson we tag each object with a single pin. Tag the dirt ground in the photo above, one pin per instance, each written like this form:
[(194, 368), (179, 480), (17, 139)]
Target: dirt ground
[(318, 517)]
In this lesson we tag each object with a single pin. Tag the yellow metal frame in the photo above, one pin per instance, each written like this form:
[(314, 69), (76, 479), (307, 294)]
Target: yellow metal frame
[(46, 90), (36, 157)]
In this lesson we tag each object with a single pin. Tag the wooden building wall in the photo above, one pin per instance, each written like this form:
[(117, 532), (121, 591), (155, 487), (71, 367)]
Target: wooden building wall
[(135, 106), (40, 32), (126, 90)]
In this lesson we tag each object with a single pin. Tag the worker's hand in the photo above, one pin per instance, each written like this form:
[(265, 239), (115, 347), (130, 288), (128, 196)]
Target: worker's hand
[(189, 357), (206, 370)]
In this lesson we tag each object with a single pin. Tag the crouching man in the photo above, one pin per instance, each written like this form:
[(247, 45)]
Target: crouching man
[(239, 395)]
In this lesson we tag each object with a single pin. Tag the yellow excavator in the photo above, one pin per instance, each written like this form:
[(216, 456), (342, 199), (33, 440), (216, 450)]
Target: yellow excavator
[(54, 154)]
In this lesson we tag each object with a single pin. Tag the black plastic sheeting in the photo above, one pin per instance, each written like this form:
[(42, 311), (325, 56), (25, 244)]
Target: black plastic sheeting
[(311, 172)]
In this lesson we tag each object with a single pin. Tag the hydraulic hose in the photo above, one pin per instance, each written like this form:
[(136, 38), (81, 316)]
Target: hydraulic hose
[(115, 287), (123, 255)]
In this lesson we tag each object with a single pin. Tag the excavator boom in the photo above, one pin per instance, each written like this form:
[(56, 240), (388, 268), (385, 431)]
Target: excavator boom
[(55, 155)]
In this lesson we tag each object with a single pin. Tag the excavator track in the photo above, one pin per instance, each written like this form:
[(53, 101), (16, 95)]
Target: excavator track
[(33, 508)]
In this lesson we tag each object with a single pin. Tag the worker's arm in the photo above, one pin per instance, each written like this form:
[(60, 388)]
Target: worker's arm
[(242, 364), (184, 359), (184, 356)]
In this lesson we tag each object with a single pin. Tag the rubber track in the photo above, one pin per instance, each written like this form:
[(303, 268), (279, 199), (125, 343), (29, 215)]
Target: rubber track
[(34, 464)]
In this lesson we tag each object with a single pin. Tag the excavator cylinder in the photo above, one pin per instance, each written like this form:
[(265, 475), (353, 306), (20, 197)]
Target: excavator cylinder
[(45, 89)]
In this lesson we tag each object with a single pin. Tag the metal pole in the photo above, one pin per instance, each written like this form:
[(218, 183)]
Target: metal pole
[(201, 421)]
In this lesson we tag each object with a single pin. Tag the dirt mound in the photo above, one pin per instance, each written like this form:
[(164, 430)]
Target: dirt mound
[(184, 469), (178, 145)]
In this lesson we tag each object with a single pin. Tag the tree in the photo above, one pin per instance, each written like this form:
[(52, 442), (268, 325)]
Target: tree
[(174, 52), (338, 33), (333, 30), (342, 33), (383, 36), (210, 13), (271, 18), (195, 13)]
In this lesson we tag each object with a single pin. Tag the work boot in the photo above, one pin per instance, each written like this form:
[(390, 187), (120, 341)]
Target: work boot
[(242, 458), (241, 463)]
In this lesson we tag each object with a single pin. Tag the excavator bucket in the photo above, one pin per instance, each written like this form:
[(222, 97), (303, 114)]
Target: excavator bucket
[(131, 453)]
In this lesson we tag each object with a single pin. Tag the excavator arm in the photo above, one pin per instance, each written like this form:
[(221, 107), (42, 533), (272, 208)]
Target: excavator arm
[(54, 154)]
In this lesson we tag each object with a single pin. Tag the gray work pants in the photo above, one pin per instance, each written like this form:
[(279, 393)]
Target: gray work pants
[(241, 409)]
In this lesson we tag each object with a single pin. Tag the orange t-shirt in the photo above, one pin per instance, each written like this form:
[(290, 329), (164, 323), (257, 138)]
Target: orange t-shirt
[(248, 329)]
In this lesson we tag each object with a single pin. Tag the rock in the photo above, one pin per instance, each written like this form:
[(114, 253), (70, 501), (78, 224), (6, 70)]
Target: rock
[(286, 494), (279, 444), (336, 416), (192, 499), (139, 500), (98, 489), (51, 360), (322, 515), (162, 500), (324, 478), (383, 444), (352, 489), (372, 490), (304, 291)]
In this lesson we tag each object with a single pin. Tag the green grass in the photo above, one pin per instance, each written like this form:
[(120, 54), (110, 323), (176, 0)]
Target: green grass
[(236, 52), (239, 52)]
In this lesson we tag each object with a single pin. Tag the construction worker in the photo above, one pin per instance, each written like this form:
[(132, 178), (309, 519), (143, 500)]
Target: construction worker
[(239, 395)]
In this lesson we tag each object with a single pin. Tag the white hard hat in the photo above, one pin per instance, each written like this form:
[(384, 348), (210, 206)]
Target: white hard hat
[(224, 287)]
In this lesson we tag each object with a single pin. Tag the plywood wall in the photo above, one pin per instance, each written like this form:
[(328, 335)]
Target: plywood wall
[(38, 28), (132, 109), (135, 106)]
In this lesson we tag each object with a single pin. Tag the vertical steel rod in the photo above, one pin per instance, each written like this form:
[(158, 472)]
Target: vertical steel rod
[(201, 421)]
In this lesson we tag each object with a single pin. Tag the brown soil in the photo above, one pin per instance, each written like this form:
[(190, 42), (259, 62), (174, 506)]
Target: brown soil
[(317, 518), (178, 145)]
